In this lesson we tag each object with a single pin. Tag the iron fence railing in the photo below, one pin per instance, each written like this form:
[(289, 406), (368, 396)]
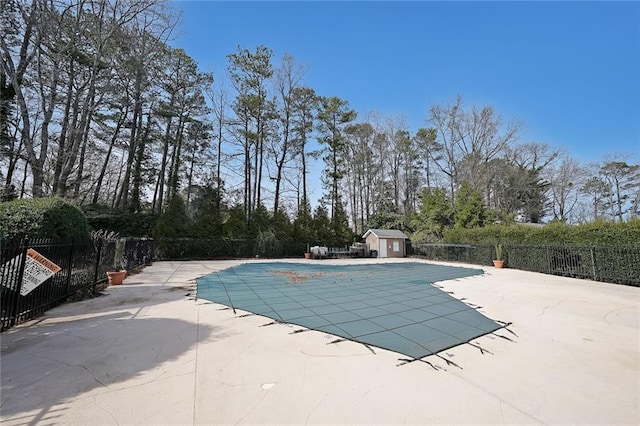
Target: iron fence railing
[(84, 264), (600, 263), (83, 267)]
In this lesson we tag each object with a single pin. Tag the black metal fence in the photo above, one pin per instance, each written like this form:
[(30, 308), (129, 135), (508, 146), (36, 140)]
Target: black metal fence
[(84, 265), (600, 263), (83, 269)]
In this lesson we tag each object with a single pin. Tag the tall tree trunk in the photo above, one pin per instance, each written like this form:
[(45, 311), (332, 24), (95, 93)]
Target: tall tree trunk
[(305, 196), (280, 162), (63, 156), (123, 194), (135, 205), (354, 202), (63, 132), (48, 102), (15, 77), (219, 157), (24, 179), (192, 163), (255, 168), (361, 192), (174, 170), (334, 187), (81, 159), (13, 156), (247, 172), (112, 141), (259, 170), (116, 190), (163, 167), (79, 130)]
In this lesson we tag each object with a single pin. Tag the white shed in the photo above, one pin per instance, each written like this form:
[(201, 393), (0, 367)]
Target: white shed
[(387, 242)]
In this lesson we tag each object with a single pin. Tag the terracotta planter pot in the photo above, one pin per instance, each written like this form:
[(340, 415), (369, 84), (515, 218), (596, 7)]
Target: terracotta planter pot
[(116, 277), (307, 255), (498, 263)]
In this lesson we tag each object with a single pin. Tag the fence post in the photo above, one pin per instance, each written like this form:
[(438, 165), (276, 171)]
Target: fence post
[(593, 263), (97, 268), (16, 297), (70, 263)]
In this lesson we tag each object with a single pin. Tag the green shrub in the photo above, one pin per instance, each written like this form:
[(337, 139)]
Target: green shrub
[(124, 223), (600, 233), (174, 222), (42, 218)]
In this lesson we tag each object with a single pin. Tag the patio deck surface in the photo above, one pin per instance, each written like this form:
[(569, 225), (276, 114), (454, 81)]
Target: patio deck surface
[(149, 353)]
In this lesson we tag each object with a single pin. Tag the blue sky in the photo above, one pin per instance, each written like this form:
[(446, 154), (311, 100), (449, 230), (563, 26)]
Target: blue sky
[(569, 70)]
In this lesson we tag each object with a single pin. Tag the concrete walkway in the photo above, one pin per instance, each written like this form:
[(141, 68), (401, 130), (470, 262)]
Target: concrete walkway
[(148, 353)]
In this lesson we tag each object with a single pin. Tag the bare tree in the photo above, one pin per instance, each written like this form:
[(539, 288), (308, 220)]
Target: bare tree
[(218, 98), (566, 177), (623, 181), (360, 165), (288, 78), (18, 57), (597, 190), (429, 151), (469, 140)]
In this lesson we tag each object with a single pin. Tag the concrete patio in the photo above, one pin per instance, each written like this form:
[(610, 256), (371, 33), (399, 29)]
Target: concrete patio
[(148, 352)]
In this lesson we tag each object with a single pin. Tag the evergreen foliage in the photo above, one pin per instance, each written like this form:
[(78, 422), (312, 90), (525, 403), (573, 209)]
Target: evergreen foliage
[(235, 225), (260, 222), (470, 211), (174, 222), (42, 218), (207, 222), (122, 222), (389, 220), (281, 226), (340, 224), (604, 233), (434, 217), (321, 226), (301, 229)]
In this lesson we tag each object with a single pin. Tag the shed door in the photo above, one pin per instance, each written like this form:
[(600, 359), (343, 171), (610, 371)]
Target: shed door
[(383, 247)]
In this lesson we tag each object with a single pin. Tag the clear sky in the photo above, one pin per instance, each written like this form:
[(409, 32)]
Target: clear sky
[(569, 70)]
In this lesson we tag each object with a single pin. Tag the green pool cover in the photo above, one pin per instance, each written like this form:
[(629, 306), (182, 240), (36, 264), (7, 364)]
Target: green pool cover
[(391, 306)]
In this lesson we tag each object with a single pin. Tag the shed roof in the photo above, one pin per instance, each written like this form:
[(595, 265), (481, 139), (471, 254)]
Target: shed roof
[(386, 233)]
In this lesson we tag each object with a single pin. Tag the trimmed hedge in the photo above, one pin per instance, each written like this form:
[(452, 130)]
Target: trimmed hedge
[(42, 218), (598, 233), (125, 224), (227, 248), (615, 264)]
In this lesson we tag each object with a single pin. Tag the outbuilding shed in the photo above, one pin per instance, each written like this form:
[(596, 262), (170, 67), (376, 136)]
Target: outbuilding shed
[(387, 242)]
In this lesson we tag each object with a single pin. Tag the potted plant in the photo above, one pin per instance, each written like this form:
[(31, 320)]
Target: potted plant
[(498, 262), (118, 273)]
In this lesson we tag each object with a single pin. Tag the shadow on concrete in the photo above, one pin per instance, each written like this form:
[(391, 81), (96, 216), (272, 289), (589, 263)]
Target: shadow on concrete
[(125, 297), (44, 365)]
